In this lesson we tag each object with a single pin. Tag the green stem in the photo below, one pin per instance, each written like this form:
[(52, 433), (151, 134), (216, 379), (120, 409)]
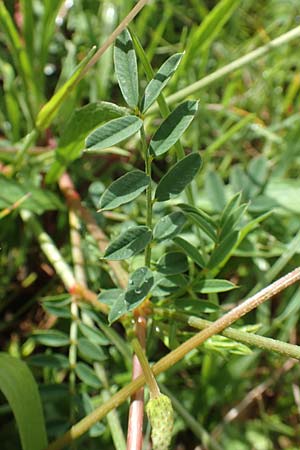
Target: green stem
[(176, 355), (150, 379), (231, 67), (148, 160), (269, 344)]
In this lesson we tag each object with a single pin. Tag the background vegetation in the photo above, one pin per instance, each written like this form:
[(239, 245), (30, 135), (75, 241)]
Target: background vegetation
[(226, 394)]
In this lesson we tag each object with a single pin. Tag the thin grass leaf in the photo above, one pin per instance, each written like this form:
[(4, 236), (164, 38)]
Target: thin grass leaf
[(50, 109)]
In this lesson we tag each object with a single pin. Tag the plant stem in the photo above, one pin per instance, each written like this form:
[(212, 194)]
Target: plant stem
[(150, 379), (148, 160), (176, 355), (265, 343), (231, 67)]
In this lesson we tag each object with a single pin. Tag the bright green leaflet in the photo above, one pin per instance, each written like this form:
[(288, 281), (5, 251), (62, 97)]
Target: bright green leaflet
[(113, 132), (178, 177), (126, 69), (124, 189), (21, 391), (173, 128)]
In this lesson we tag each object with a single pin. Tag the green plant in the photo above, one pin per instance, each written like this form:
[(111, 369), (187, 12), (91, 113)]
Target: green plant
[(190, 243)]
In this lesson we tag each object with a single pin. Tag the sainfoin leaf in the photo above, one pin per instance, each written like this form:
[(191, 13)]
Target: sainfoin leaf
[(21, 392), (129, 243), (173, 127), (113, 132), (159, 81), (169, 226), (139, 285), (178, 177), (126, 68), (124, 189), (206, 286)]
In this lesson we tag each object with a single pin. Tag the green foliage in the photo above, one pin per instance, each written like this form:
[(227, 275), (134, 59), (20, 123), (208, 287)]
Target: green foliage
[(151, 232)]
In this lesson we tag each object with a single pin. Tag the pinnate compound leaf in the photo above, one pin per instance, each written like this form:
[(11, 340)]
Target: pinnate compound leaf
[(113, 132), (139, 285), (125, 189), (159, 81), (169, 226), (126, 68), (190, 250), (173, 127), (178, 177), (129, 243), (213, 286), (87, 375), (172, 263), (21, 392)]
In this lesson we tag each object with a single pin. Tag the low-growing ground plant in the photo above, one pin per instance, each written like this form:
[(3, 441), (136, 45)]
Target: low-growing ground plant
[(184, 208)]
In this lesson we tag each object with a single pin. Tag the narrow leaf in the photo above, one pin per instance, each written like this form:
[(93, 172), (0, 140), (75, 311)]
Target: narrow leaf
[(126, 68), (190, 250), (202, 220), (113, 132), (178, 177), (90, 351), (173, 127), (169, 226), (160, 80), (172, 263), (125, 189), (222, 251), (21, 392), (129, 243), (213, 286), (51, 338), (93, 334), (87, 375)]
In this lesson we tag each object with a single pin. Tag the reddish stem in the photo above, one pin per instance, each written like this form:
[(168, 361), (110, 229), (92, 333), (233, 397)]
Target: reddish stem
[(136, 411)]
